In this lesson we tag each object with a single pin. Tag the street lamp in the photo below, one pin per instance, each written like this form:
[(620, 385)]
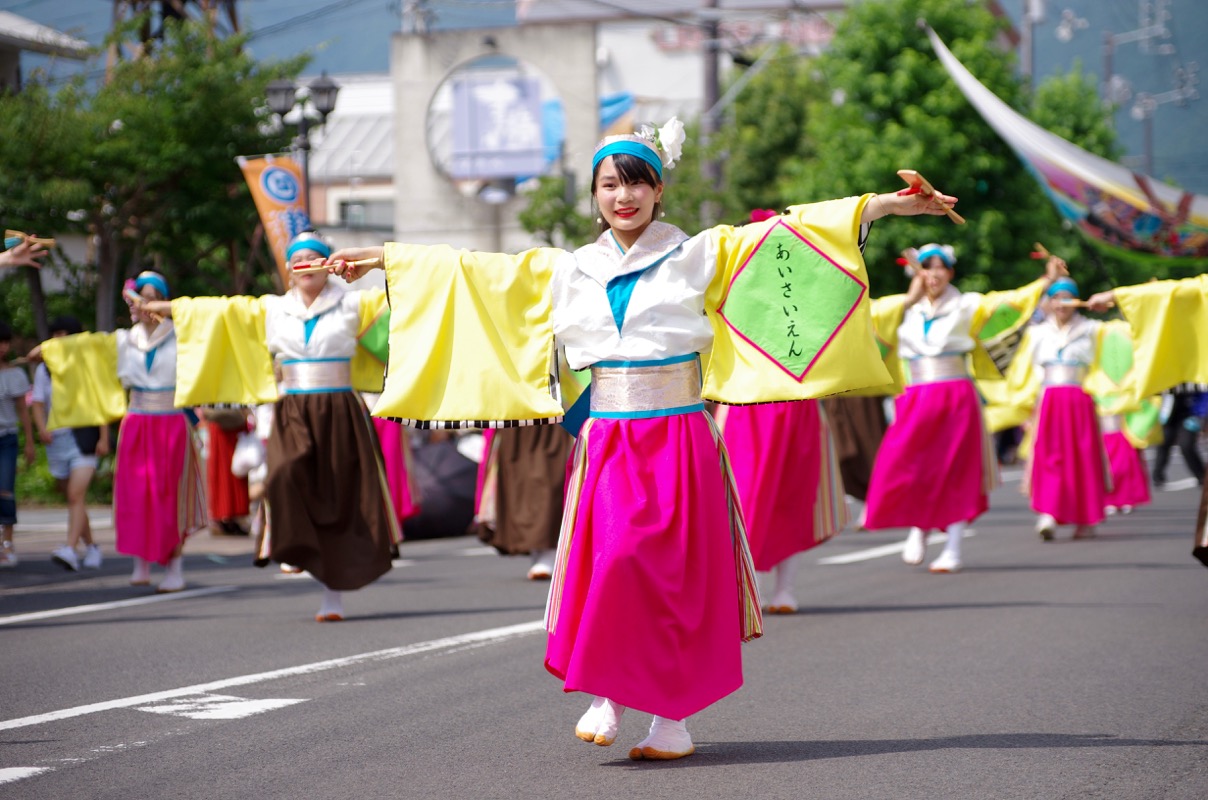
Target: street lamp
[(284, 95)]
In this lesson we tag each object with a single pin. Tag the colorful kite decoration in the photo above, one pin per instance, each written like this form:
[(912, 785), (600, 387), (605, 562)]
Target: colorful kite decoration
[(1109, 203)]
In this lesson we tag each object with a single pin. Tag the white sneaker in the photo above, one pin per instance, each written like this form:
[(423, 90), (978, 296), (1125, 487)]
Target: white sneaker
[(8, 555), (915, 547), (1046, 526), (945, 564), (92, 557), (1110, 511), (67, 557)]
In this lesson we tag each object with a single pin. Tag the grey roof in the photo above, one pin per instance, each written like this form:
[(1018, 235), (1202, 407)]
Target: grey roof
[(25, 34), (357, 140)]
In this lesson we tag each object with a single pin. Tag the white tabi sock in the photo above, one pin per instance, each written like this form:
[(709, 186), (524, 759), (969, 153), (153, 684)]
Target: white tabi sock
[(174, 577), (956, 532), (785, 573), (142, 572), (668, 739), (601, 722), (332, 608)]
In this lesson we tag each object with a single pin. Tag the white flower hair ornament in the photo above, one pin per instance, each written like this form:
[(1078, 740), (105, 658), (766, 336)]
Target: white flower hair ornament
[(671, 138)]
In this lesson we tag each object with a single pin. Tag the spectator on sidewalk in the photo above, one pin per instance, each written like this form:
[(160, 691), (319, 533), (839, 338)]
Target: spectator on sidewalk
[(72, 455), (1181, 428), (14, 383)]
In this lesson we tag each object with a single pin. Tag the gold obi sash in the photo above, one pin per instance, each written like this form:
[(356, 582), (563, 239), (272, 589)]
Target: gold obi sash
[(1064, 374), (644, 389), (314, 375), (153, 401), (933, 369)]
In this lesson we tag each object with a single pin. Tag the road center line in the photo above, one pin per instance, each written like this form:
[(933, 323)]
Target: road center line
[(884, 550), (491, 635), (93, 607)]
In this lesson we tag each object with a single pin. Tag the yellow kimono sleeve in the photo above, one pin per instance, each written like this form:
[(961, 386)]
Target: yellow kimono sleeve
[(84, 389), (1010, 400), (471, 337), (789, 308), (1169, 321), (887, 314), (998, 326), (373, 334), (1112, 382), (221, 355)]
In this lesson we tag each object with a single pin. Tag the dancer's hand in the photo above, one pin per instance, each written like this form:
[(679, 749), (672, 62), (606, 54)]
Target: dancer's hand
[(1102, 301), (351, 263)]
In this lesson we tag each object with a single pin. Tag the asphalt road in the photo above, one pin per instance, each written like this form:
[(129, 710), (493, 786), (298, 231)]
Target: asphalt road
[(1071, 669)]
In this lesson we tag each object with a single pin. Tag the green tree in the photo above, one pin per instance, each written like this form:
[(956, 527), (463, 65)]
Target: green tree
[(552, 213), (145, 164), (890, 105)]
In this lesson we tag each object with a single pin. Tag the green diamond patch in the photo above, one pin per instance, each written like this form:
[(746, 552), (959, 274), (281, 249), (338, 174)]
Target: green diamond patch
[(789, 299)]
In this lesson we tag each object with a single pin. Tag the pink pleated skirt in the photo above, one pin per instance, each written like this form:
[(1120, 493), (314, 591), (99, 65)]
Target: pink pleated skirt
[(396, 457), (1130, 482), (651, 597), (936, 465), (158, 494), (1069, 471), (787, 476)]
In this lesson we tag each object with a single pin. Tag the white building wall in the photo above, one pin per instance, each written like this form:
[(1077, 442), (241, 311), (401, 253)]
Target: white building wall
[(429, 209)]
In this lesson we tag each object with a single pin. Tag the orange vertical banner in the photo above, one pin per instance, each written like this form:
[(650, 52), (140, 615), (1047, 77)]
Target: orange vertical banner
[(277, 187)]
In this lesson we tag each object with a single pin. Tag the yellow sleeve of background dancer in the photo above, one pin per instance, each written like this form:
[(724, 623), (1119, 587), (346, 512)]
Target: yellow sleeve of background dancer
[(84, 389), (471, 336), (998, 326), (789, 308), (887, 314), (1169, 321), (221, 355), (1011, 399), (369, 360), (1112, 382)]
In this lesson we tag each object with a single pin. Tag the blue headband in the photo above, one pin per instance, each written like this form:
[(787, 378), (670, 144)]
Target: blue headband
[(307, 242), (1062, 285), (153, 280), (629, 148), (928, 252)]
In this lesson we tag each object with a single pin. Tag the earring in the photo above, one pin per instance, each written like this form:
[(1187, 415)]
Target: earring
[(599, 220), (662, 214)]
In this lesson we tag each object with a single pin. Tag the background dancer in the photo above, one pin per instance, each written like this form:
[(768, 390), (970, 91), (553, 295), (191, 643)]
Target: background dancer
[(328, 506), (937, 465)]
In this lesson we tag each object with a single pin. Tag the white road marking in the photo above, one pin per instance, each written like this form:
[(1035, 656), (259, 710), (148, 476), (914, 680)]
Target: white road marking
[(1012, 476), (885, 550), (478, 551), (17, 773), (489, 636), (93, 607), (218, 706)]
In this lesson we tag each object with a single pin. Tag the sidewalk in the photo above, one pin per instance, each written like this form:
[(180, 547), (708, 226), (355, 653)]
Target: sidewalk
[(40, 530)]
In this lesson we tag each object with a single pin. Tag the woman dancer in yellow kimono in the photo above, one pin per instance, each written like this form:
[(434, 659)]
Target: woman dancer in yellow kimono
[(653, 589)]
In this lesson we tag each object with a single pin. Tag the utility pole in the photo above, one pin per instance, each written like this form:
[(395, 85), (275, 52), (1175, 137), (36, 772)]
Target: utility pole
[(710, 168)]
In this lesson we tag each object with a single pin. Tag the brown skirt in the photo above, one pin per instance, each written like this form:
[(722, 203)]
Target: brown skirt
[(328, 511), (531, 469), (858, 425)]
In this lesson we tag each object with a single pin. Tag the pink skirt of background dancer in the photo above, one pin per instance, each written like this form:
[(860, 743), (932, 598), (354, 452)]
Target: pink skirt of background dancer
[(1068, 469), (646, 605), (936, 465), (158, 495), (1130, 482), (396, 457), (787, 476)]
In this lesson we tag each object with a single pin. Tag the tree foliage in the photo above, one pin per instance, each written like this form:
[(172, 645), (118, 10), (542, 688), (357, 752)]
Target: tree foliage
[(145, 163)]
